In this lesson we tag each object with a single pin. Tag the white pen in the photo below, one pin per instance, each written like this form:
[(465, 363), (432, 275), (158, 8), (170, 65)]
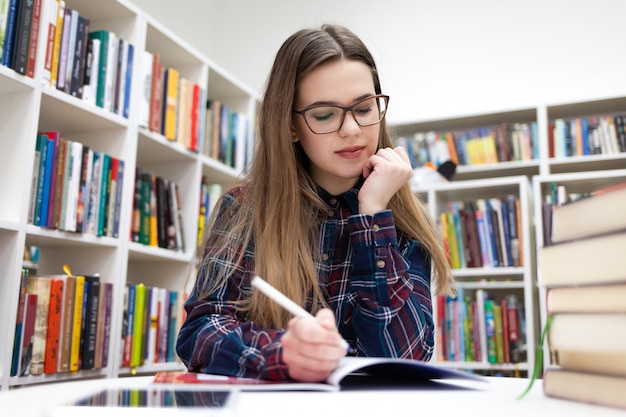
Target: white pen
[(285, 302)]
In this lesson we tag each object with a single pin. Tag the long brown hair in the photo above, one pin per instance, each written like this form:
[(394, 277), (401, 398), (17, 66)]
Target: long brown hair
[(278, 213)]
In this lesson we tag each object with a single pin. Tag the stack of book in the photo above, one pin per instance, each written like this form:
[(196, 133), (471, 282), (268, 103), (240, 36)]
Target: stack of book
[(584, 274)]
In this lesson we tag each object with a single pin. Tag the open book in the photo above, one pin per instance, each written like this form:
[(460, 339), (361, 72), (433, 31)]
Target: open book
[(351, 372)]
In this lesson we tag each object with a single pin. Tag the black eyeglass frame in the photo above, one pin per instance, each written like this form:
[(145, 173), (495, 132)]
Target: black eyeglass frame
[(345, 109)]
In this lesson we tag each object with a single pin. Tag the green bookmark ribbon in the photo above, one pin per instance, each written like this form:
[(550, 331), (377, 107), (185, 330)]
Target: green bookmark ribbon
[(538, 358)]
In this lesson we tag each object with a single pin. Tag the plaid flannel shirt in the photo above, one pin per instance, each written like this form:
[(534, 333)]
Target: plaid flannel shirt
[(377, 284)]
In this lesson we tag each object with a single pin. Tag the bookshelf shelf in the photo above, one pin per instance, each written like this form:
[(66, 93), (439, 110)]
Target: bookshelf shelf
[(30, 105)]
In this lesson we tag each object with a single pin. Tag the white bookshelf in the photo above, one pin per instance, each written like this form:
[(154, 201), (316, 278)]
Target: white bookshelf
[(577, 173), (28, 106), (497, 281)]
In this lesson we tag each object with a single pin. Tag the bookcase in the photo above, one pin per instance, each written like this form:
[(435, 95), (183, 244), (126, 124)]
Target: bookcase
[(556, 158), (29, 105), (490, 281)]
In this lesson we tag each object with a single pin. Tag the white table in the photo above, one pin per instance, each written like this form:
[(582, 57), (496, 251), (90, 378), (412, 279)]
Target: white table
[(496, 397)]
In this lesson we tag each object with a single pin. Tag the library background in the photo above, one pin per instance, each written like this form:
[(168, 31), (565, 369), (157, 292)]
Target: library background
[(117, 136)]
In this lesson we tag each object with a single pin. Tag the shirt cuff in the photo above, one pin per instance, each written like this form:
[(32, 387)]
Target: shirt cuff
[(377, 231)]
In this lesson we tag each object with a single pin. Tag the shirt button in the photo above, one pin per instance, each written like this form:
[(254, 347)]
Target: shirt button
[(333, 201), (325, 256), (375, 228), (380, 264), (331, 213)]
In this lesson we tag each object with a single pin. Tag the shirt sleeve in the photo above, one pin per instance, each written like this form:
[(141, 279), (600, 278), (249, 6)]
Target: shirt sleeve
[(215, 338), (391, 315)]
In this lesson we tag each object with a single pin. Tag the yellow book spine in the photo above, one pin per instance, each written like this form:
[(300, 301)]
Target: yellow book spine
[(171, 104), (76, 324), (453, 242), (136, 355), (57, 44), (443, 220)]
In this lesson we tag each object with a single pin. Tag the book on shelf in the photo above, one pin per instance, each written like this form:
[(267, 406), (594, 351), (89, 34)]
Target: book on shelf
[(41, 287), (54, 325), (151, 320), (49, 26), (28, 333), (483, 233), (581, 136), (23, 27), (601, 211), (145, 78), (155, 120), (156, 219), (19, 325), (169, 112), (599, 389), (67, 324), (71, 189), (479, 328), (351, 372), (56, 48), (475, 146), (33, 43), (9, 33), (90, 320), (587, 261)]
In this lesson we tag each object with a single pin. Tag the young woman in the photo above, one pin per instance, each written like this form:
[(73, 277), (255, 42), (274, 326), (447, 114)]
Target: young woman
[(325, 215)]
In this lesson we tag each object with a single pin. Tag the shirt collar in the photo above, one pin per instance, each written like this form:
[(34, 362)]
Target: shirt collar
[(349, 198)]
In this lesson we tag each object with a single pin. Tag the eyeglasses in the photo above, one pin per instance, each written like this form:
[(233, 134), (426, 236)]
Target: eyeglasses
[(325, 118)]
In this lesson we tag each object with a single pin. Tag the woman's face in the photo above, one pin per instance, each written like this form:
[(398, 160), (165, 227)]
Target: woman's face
[(337, 158)]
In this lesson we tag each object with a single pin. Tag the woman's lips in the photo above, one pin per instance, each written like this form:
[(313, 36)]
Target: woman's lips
[(351, 152)]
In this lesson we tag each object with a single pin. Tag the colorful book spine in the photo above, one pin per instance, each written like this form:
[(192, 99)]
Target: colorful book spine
[(77, 323), (54, 326)]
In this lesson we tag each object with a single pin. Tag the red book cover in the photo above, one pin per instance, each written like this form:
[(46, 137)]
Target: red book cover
[(54, 327), (156, 91), (195, 117)]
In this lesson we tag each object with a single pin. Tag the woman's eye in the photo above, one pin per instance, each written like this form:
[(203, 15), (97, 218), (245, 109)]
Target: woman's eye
[(323, 115), (363, 110)]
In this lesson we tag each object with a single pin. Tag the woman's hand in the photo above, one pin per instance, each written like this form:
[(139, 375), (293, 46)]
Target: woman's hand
[(385, 172), (312, 348)]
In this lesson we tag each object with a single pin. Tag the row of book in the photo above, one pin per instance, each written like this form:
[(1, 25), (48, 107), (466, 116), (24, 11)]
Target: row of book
[(486, 145), (19, 30), (480, 329), (581, 136), (75, 188), (584, 277), (172, 105), (95, 66), (152, 317), (63, 324), (209, 194), (229, 136), (483, 233), (157, 217), (178, 109)]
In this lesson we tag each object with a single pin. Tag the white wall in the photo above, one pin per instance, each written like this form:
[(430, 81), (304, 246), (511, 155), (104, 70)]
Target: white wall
[(437, 59)]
